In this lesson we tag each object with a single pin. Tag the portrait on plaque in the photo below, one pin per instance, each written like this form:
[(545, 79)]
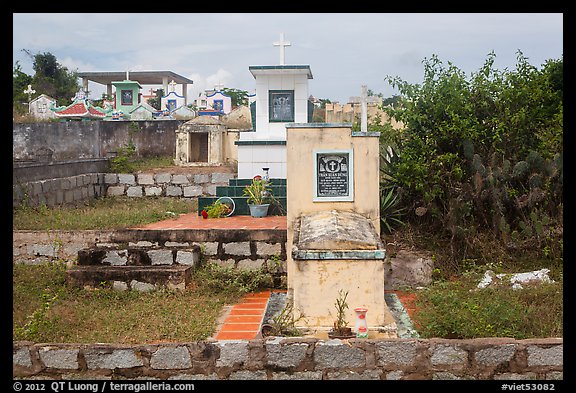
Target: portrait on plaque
[(333, 176), (281, 105)]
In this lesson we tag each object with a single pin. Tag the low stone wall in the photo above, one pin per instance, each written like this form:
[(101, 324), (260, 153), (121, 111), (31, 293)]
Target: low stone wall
[(235, 248), (296, 358), (59, 191), (165, 184), (74, 189)]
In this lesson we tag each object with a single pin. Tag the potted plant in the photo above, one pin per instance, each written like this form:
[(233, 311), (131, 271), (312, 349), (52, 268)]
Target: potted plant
[(259, 196), (223, 207), (341, 329)]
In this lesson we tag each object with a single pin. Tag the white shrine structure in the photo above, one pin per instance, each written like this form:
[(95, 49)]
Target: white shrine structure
[(281, 98)]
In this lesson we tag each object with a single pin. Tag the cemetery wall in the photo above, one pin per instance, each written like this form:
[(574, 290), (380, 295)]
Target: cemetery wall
[(297, 358), (74, 140), (73, 189), (30, 171), (350, 113)]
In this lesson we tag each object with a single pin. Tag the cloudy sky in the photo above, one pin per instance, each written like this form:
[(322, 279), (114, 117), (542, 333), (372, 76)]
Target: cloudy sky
[(344, 50)]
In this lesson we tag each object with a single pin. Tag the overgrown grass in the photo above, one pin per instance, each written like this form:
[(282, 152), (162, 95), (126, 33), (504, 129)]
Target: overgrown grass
[(103, 213), (46, 309), (456, 309), (143, 164)]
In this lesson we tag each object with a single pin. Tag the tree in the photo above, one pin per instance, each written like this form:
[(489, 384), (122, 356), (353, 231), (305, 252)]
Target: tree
[(53, 79), (20, 82), (483, 151), (156, 101), (239, 97)]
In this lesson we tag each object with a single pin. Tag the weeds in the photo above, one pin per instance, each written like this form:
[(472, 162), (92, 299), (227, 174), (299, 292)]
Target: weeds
[(222, 279), (452, 309), (104, 213), (284, 324), (45, 309)]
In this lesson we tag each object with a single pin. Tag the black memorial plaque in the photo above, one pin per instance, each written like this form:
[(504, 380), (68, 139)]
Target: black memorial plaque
[(332, 175)]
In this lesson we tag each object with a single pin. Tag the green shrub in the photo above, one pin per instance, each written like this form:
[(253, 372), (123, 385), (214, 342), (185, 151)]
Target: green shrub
[(217, 278)]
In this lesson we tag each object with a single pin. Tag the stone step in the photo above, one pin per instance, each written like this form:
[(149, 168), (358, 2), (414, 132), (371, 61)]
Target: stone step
[(238, 191), (245, 182), (242, 208), (139, 256), (235, 190), (140, 278)]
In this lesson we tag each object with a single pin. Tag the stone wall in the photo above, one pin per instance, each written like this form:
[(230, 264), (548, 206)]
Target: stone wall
[(240, 249), (277, 358), (73, 189), (164, 184), (31, 171), (74, 140), (59, 191)]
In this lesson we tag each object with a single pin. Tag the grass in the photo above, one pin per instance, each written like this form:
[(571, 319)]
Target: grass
[(451, 307), (46, 309), (456, 309), (124, 163), (104, 213)]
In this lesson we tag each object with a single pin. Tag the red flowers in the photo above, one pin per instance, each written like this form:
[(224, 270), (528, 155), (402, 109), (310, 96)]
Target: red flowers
[(204, 214)]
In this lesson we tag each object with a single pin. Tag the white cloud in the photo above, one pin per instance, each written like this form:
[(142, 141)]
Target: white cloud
[(344, 50)]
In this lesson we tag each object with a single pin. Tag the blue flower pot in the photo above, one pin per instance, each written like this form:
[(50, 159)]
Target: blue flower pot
[(259, 210)]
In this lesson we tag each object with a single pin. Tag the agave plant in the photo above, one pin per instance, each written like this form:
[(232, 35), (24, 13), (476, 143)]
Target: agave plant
[(391, 211)]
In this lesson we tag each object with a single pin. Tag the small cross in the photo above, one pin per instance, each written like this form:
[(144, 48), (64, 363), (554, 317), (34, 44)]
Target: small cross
[(29, 91), (172, 85), (219, 87), (282, 44)]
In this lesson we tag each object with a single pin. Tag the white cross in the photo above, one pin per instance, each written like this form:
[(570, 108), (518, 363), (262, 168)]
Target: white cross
[(282, 44), (364, 109), (172, 85), (29, 91), (219, 87)]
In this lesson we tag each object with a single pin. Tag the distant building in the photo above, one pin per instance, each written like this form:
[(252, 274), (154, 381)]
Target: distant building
[(80, 109), (127, 96), (172, 100), (143, 111), (213, 103), (40, 107), (350, 112)]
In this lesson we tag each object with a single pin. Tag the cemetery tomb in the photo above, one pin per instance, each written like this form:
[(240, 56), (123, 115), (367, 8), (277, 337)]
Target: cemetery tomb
[(333, 218)]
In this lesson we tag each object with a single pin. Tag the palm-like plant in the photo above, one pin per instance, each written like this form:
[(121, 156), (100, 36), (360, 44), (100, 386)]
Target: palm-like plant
[(391, 211)]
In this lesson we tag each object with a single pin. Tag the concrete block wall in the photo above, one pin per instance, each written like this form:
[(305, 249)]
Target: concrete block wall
[(297, 358), (59, 191), (74, 189), (164, 184)]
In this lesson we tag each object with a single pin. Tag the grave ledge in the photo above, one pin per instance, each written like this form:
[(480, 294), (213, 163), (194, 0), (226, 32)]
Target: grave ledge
[(338, 255)]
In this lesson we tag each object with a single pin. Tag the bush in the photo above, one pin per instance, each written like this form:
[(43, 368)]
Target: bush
[(472, 153)]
